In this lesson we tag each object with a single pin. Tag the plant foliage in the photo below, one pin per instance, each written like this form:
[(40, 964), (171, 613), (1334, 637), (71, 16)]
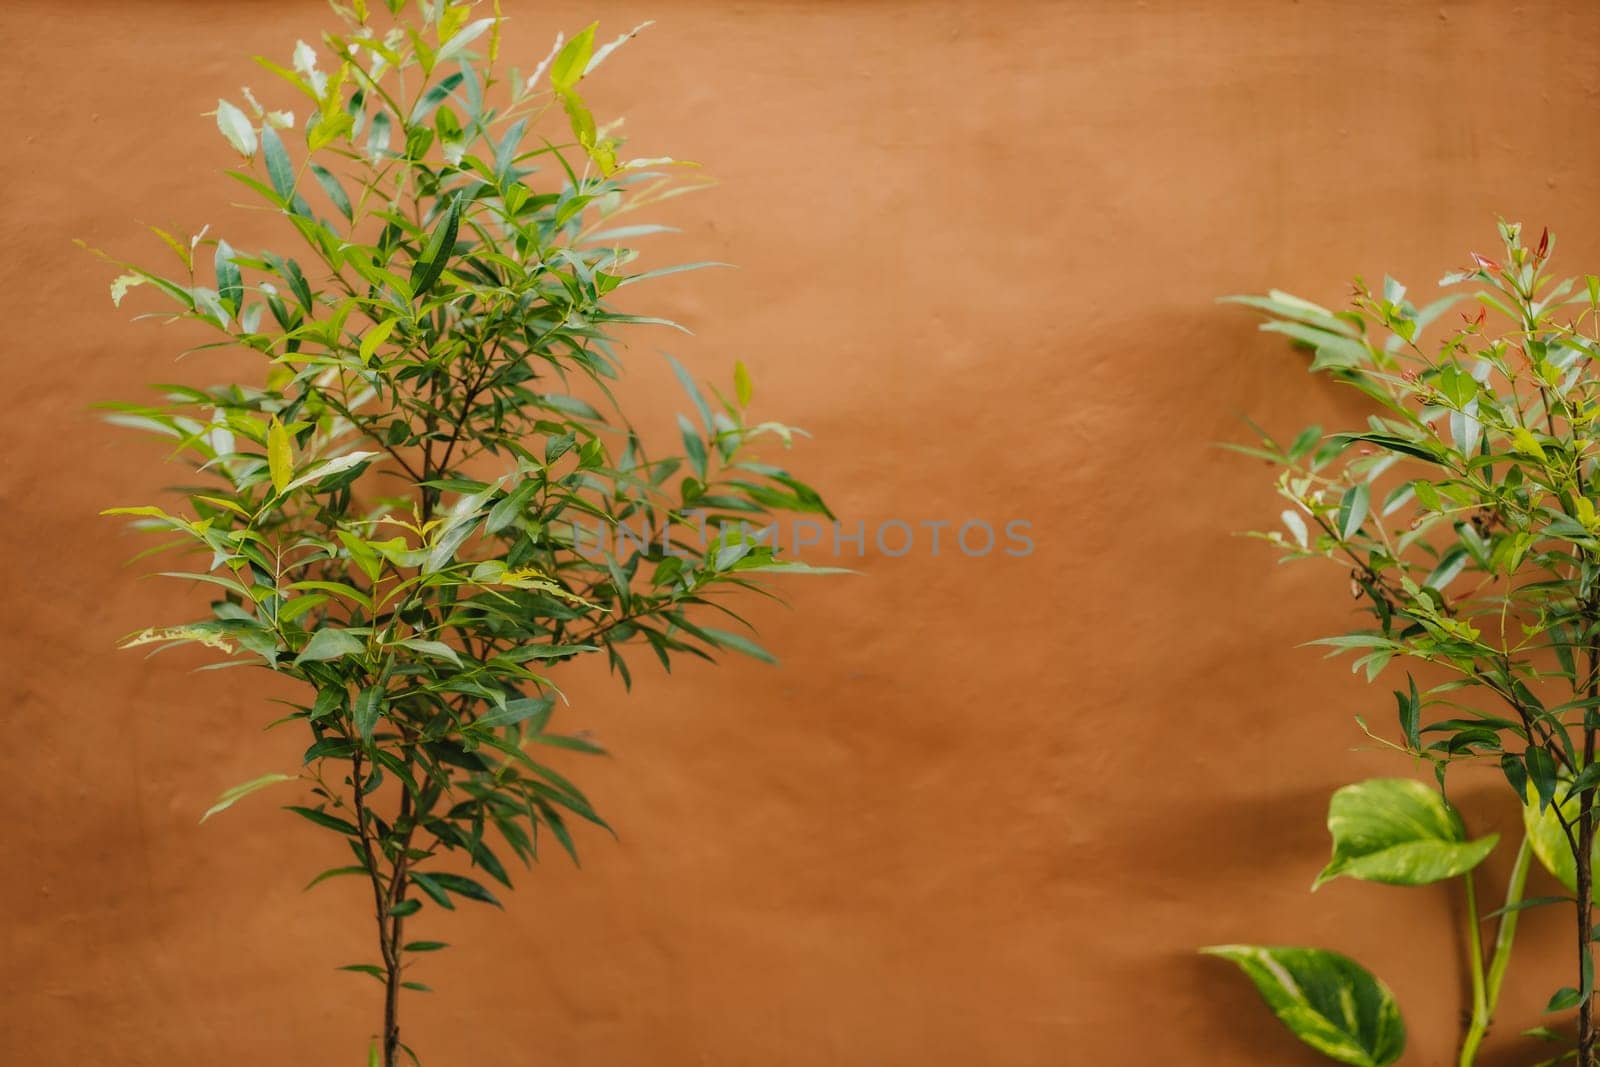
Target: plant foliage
[(1464, 511), (394, 514), (1329, 1001)]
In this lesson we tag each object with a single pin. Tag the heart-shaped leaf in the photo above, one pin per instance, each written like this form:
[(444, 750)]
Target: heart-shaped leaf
[(1329, 1001), (1399, 832)]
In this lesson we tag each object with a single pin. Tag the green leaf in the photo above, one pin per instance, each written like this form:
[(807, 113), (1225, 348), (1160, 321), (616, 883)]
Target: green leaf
[(378, 135), (328, 748), (280, 456), (1523, 441), (435, 649), (279, 170), (693, 446), (328, 701), (505, 512), (430, 101), (436, 893), (1353, 509), (1525, 904), (239, 792), (1542, 774), (330, 644), (1305, 441), (328, 468), (456, 42), (573, 59), (368, 706), (1455, 385), (465, 887), (1410, 715), (230, 285), (686, 380), (1329, 1001), (1399, 832), (334, 872), (516, 711), (425, 946), (374, 337), (325, 128), (426, 270), (237, 128), (1565, 999), (1516, 773), (326, 819), (1392, 443), (1333, 350), (724, 639), (335, 191), (1451, 564), (436, 884), (1549, 840)]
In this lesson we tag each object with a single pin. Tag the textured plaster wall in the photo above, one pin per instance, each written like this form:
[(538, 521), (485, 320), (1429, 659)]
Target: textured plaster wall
[(986, 808)]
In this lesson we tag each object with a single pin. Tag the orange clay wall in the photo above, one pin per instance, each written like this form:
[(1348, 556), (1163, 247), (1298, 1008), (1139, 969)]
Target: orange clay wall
[(987, 806)]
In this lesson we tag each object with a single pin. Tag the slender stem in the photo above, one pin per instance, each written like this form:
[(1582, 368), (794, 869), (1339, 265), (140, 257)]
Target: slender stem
[(1507, 933), (1585, 864), (388, 948), (1486, 991), (1480, 997), (395, 936), (1586, 1034)]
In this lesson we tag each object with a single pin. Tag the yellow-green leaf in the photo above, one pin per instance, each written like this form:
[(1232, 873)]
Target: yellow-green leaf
[(572, 60), (375, 337), (1399, 832), (1524, 442), (280, 456), (1549, 839), (239, 792), (741, 384)]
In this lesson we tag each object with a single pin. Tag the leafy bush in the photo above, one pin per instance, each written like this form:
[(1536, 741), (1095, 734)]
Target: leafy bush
[(1464, 511), (393, 514)]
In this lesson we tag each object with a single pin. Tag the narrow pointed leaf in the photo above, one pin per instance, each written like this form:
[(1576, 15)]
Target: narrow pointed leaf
[(280, 456), (366, 710), (279, 170), (331, 644), (239, 792), (426, 270)]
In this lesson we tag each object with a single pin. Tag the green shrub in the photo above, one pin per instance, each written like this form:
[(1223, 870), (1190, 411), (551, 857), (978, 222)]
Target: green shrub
[(392, 515)]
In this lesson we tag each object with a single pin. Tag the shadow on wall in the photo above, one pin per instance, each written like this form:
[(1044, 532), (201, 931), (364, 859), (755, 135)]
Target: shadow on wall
[(1236, 841), (1241, 1030), (1245, 863)]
